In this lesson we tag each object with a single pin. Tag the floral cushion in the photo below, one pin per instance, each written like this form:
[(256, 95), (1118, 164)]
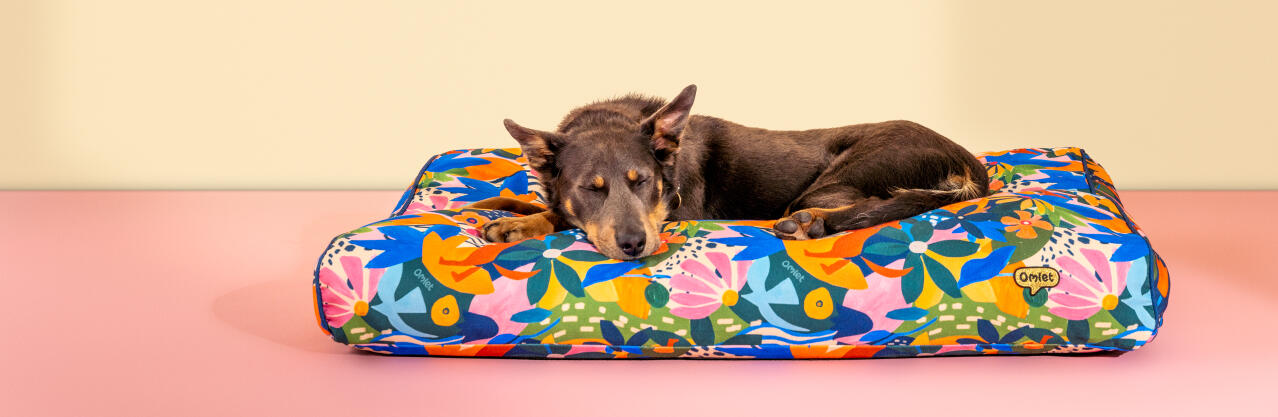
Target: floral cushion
[(1049, 263)]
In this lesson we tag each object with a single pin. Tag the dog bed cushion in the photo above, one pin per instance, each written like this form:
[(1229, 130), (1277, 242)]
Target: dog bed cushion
[(1050, 262)]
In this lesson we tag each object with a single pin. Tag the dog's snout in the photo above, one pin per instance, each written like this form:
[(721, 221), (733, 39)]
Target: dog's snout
[(631, 244)]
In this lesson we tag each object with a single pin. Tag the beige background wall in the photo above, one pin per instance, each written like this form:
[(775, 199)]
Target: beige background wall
[(354, 95)]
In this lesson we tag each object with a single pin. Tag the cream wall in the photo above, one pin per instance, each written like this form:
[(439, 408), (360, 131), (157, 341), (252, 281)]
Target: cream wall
[(339, 95)]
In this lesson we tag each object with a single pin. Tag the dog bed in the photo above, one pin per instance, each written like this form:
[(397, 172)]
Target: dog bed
[(1049, 263)]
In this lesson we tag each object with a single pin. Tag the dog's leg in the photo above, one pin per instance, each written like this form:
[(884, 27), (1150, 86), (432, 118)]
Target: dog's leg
[(511, 229), (811, 215), (536, 221), (506, 204), (902, 205), (803, 224), (812, 223), (863, 189)]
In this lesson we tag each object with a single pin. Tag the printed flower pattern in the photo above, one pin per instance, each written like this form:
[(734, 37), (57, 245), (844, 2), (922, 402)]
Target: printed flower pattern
[(1089, 287), (704, 287), (350, 296), (881, 297), (942, 283), (925, 251), (1025, 224)]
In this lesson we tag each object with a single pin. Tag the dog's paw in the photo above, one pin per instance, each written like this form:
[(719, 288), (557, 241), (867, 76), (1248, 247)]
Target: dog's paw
[(801, 225), (513, 229)]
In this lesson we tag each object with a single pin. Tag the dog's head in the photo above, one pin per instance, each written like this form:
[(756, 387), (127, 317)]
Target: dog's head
[(613, 181)]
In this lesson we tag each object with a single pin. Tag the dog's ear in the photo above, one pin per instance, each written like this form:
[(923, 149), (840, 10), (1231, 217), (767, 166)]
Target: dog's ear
[(665, 127), (539, 147)]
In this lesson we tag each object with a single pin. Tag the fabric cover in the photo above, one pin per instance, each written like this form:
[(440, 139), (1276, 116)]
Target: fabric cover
[(947, 282)]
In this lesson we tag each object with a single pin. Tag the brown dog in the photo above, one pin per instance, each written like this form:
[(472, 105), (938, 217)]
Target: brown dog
[(620, 168)]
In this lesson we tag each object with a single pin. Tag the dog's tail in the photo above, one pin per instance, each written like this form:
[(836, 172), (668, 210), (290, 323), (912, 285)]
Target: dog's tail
[(953, 189), (909, 202), (962, 187)]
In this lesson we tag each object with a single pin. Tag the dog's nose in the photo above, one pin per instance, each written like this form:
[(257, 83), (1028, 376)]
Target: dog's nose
[(631, 245)]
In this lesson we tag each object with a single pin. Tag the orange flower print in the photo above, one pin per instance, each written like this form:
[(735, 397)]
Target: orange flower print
[(996, 185), (1025, 224)]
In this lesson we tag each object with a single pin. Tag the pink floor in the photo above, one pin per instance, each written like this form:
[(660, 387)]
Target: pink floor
[(199, 303)]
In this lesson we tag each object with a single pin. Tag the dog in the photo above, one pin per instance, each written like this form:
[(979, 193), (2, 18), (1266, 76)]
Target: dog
[(619, 168)]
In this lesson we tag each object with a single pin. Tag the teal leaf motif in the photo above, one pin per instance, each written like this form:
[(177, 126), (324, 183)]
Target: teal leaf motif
[(568, 278)]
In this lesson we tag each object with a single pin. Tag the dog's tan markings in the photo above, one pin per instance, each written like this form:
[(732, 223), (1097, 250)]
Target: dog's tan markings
[(511, 229), (658, 213), (632, 175), (568, 207), (598, 182), (591, 228), (604, 237), (652, 227)]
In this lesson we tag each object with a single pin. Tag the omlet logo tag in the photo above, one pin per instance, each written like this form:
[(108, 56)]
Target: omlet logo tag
[(794, 272), (1036, 278)]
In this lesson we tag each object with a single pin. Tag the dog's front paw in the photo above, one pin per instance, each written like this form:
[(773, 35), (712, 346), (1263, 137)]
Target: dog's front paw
[(513, 229), (801, 225)]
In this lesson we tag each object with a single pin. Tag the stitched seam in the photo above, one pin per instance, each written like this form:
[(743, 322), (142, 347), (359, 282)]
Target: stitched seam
[(1046, 347), (319, 295), (407, 199)]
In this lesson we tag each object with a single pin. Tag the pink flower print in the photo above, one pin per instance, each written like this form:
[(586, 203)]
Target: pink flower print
[(881, 296), (439, 202), (509, 295), (346, 298), (1085, 290), (704, 288), (416, 207)]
